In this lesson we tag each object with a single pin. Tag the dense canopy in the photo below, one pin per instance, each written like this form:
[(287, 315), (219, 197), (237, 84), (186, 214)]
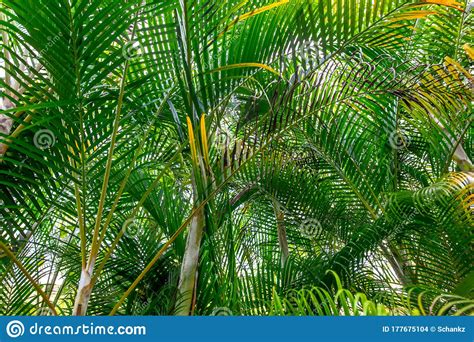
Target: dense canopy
[(255, 157)]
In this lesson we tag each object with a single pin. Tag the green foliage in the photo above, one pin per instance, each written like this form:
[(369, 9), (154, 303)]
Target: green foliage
[(317, 301), (326, 145)]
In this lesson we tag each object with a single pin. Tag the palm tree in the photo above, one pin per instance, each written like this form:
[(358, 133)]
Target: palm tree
[(226, 157)]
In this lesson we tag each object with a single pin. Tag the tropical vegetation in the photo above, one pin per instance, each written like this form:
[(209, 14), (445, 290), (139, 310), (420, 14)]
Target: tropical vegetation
[(236, 157)]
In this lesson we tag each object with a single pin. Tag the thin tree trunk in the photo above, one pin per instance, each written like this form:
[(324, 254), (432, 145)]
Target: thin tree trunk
[(83, 292), (462, 160), (459, 156), (6, 122), (281, 229), (12, 89), (189, 265), (398, 264), (84, 289)]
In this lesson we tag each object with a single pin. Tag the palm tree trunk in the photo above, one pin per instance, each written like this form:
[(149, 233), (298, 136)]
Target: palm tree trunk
[(83, 292), (189, 264), (13, 89), (462, 160), (6, 122), (398, 264), (281, 229), (459, 156)]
